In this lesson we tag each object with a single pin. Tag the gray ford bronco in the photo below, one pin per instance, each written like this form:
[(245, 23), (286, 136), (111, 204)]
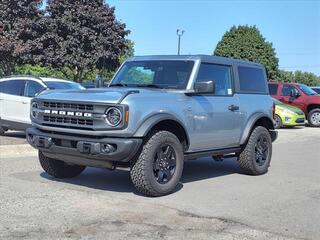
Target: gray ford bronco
[(157, 112)]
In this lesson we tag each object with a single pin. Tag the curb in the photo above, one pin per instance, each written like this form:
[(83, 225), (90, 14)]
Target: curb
[(19, 150)]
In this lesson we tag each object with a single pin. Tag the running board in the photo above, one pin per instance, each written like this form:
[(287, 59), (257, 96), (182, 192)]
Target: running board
[(210, 153)]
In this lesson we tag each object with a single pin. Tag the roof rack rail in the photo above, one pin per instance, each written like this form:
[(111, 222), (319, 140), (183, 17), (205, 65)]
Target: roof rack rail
[(11, 76)]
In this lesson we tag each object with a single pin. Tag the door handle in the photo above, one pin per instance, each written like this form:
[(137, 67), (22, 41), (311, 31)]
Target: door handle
[(233, 107), (24, 102)]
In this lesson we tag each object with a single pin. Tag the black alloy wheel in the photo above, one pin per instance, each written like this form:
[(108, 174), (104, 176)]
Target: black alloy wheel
[(164, 164), (261, 150)]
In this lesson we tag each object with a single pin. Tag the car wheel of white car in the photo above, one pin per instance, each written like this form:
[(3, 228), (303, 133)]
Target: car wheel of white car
[(314, 117), (2, 131)]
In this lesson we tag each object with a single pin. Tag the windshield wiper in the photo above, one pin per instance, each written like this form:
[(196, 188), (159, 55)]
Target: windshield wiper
[(148, 85), (118, 85)]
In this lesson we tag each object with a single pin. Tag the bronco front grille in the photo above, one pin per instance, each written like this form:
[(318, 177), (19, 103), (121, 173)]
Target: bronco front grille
[(67, 120), (58, 105), (76, 115)]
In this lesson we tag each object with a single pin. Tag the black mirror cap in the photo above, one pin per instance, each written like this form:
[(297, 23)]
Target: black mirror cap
[(204, 87)]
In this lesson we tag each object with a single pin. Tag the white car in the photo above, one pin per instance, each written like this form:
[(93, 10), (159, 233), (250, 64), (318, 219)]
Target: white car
[(16, 93)]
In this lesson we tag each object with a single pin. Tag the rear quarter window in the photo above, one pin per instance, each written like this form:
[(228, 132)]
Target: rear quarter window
[(273, 89), (252, 80)]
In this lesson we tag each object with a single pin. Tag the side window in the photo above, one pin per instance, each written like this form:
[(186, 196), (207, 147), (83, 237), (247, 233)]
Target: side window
[(220, 74), (252, 80), (13, 87), (286, 89), (273, 89), (32, 88)]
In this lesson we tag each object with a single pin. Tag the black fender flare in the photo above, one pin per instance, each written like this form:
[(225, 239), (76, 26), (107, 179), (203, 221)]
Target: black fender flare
[(153, 120), (251, 122)]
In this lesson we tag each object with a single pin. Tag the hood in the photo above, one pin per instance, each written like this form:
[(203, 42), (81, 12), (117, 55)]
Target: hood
[(291, 108), (102, 95)]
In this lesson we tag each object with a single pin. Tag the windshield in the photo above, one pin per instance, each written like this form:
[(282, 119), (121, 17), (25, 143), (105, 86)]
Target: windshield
[(306, 89), (160, 74), (63, 85)]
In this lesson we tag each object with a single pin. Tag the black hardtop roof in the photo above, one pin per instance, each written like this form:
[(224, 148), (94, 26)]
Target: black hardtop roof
[(202, 58)]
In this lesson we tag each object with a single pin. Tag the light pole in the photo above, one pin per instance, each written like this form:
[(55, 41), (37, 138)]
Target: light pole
[(179, 33)]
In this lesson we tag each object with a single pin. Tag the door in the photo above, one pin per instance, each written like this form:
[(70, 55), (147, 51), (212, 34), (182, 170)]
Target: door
[(14, 101), (285, 96), (216, 116)]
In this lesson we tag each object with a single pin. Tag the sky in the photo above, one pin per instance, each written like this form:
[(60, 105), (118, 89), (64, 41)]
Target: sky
[(292, 26)]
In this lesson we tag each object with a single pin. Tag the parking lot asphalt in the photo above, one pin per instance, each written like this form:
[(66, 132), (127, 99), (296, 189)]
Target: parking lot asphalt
[(214, 200)]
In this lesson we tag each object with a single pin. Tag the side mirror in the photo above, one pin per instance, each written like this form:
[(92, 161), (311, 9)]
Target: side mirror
[(204, 87)]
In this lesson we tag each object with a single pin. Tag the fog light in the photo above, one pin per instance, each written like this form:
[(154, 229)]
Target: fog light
[(108, 148)]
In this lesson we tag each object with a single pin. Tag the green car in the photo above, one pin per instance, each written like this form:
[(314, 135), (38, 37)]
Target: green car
[(287, 115)]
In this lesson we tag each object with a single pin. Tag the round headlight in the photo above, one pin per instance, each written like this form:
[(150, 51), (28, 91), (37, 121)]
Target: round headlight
[(34, 111), (113, 116)]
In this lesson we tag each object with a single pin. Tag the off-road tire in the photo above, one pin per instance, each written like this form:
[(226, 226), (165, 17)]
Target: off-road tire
[(247, 158), (316, 110), (278, 121), (142, 174), (59, 169)]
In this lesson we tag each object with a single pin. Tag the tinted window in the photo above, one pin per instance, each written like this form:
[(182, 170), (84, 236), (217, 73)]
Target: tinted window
[(32, 88), (13, 87), (63, 85), (252, 80), (307, 90), (220, 74), (286, 89), (162, 74), (317, 90), (273, 89)]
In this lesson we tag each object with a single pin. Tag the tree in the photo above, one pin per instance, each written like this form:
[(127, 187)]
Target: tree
[(82, 35), (246, 42), (127, 52), (38, 70), (17, 36), (307, 78), (285, 76)]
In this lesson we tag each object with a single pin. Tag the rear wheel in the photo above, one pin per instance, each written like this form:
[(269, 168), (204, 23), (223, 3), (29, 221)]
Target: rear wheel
[(256, 156), (159, 166), (59, 169), (278, 121), (314, 117)]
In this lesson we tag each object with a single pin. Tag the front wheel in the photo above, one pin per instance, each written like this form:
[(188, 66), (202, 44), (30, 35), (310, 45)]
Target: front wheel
[(278, 122), (256, 156), (59, 169), (159, 166), (314, 117)]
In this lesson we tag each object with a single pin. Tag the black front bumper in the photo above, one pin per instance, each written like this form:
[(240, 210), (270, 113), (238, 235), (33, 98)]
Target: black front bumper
[(83, 150)]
